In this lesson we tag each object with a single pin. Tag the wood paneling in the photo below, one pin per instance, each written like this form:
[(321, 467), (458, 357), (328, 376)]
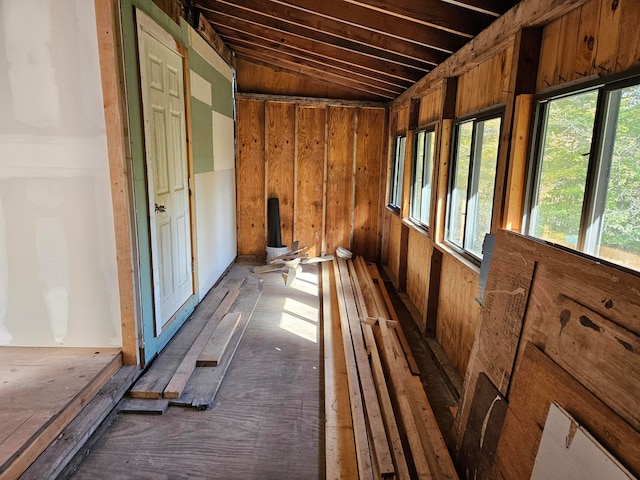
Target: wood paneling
[(485, 85), (340, 159), (538, 382), (431, 106), (458, 311), (324, 175), (254, 77), (369, 141), (280, 153), (418, 268), (250, 181), (599, 38), (395, 230), (309, 177)]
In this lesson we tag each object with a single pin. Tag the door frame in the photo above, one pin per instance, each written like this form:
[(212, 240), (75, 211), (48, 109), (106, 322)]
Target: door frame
[(148, 343), (146, 26)]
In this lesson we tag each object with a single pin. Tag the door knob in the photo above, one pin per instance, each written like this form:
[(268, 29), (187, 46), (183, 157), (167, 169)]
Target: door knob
[(160, 208)]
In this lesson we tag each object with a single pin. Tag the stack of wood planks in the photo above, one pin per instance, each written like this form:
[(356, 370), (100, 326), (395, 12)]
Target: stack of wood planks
[(379, 423), (181, 375)]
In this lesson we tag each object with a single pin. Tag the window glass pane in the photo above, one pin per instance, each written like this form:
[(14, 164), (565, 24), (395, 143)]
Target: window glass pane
[(421, 185), (426, 178), (620, 241), (481, 198), (418, 172), (563, 172), (460, 182), (395, 196)]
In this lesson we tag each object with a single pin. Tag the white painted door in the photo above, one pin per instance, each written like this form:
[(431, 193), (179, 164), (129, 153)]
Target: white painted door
[(166, 158)]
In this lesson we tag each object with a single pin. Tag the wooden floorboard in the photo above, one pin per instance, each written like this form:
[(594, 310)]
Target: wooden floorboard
[(266, 419), (42, 391)]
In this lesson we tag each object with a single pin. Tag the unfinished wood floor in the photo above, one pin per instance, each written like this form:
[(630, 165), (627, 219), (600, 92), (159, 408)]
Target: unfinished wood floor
[(41, 390), (266, 420)]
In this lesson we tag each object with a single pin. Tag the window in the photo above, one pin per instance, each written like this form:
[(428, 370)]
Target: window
[(472, 177), (423, 155), (585, 185), (395, 192)]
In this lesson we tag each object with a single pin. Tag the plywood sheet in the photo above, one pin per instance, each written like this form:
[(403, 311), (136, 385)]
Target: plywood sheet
[(340, 164), (418, 270), (280, 153), (310, 161), (458, 311), (250, 178), (538, 382), (369, 141)]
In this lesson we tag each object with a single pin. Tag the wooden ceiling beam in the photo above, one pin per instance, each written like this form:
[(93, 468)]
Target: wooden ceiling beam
[(490, 7), (234, 27), (316, 25), (280, 25), (322, 70), (381, 22), (378, 78), (432, 13), (276, 62)]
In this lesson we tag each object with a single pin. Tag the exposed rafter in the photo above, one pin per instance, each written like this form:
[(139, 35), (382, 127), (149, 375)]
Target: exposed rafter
[(378, 47)]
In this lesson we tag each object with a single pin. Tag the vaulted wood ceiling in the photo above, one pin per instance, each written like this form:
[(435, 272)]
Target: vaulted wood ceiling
[(379, 47)]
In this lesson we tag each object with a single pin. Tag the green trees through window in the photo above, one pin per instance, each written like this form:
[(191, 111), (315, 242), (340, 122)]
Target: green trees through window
[(473, 175), (586, 185)]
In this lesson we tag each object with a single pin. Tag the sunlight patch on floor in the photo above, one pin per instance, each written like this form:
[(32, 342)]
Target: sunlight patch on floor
[(300, 319)]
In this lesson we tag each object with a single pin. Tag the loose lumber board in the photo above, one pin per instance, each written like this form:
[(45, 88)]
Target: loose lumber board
[(394, 316), (159, 373), (214, 349), (340, 451), (52, 462), (339, 192), (143, 406), (309, 193), (363, 449), (391, 425), (382, 446), (369, 141), (43, 390), (538, 382), (251, 207), (182, 374), (203, 385), (391, 357)]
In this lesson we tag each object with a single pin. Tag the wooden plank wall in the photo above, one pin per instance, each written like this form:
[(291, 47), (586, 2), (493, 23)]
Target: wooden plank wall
[(597, 38), (323, 162)]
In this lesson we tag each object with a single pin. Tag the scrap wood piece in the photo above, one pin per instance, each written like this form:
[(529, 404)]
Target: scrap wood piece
[(155, 406), (203, 386), (363, 451), (339, 441), (153, 382), (290, 254), (323, 258), (413, 365), (375, 307), (402, 470), (381, 448), (391, 357), (214, 349), (268, 268), (177, 383)]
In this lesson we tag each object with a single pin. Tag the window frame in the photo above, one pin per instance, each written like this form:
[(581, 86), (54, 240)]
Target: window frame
[(477, 117), (600, 158), (397, 172), (427, 129)]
